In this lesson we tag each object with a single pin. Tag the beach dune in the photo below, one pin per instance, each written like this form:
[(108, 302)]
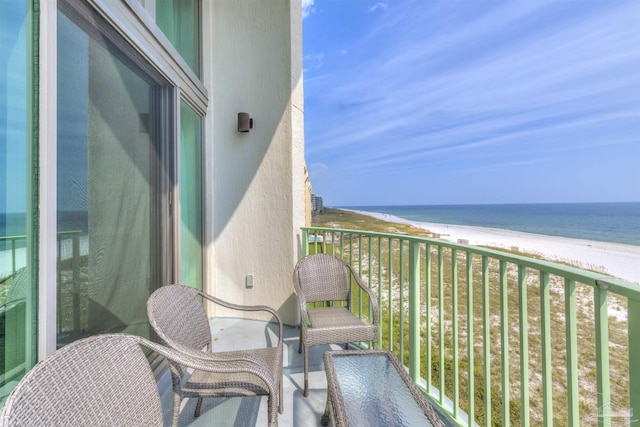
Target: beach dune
[(613, 259)]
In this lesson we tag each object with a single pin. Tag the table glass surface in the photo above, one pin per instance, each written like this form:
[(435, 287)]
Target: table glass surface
[(375, 394)]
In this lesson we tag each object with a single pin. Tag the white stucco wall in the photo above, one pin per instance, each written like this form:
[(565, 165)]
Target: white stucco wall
[(254, 181)]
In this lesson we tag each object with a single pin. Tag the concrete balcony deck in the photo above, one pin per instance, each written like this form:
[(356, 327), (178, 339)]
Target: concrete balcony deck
[(233, 333)]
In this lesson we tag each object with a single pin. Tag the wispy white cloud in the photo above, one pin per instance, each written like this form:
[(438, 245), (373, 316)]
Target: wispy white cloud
[(380, 5), (313, 61), (307, 7), (447, 83), (318, 168)]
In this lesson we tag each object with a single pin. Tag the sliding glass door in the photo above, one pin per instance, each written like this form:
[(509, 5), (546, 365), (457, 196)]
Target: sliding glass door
[(113, 172)]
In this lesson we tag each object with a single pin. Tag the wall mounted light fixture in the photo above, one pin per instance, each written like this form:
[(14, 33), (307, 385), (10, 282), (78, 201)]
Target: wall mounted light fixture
[(245, 123)]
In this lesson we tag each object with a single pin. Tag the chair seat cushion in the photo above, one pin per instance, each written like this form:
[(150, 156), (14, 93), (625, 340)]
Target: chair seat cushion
[(332, 317), (330, 325), (267, 361)]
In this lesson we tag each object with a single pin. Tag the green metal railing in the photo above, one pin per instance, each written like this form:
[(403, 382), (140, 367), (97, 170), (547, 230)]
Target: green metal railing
[(499, 338)]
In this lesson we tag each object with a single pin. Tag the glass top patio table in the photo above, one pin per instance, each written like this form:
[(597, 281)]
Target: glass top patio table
[(371, 388)]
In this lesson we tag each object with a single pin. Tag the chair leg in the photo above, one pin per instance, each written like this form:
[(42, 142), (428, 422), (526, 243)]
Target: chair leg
[(176, 409), (327, 414), (281, 398), (306, 371), (177, 393), (300, 341), (198, 408), (271, 412)]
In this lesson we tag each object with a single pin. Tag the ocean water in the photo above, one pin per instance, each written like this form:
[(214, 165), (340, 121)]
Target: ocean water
[(12, 225), (605, 222)]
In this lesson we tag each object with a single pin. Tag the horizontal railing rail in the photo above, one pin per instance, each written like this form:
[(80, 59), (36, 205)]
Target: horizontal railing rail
[(495, 337)]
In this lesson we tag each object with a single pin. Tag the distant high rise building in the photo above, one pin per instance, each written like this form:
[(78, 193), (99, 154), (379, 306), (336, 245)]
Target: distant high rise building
[(316, 203)]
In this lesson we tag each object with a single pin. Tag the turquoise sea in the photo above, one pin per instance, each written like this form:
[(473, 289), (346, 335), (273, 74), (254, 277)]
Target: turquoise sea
[(605, 222)]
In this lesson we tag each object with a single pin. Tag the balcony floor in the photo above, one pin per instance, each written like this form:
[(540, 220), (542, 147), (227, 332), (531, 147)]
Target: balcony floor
[(233, 333)]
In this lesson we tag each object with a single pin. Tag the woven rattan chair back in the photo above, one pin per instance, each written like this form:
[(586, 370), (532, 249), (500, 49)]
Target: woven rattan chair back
[(322, 277), (178, 316), (101, 380)]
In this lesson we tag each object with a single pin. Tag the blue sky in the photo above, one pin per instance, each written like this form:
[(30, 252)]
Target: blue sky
[(456, 102)]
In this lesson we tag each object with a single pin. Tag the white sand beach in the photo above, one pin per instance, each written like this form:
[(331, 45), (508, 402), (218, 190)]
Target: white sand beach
[(617, 260)]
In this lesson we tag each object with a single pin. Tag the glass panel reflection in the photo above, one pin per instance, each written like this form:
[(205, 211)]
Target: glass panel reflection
[(17, 229), (108, 186), (179, 20), (190, 197)]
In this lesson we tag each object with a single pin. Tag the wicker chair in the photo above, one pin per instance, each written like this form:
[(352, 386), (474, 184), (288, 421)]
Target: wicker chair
[(100, 380), (179, 318), (321, 278)]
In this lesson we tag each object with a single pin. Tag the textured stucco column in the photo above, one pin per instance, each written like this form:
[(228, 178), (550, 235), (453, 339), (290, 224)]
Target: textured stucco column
[(254, 181)]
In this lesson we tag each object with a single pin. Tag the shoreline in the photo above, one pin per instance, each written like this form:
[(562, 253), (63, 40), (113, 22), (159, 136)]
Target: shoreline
[(614, 259)]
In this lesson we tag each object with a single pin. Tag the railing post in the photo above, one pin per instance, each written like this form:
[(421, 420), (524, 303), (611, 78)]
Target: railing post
[(486, 341), (441, 365), (633, 307), (390, 297), (428, 314), (454, 324), (370, 273), (75, 266), (570, 311), (545, 338), (13, 256), (600, 293), (401, 296), (59, 288), (305, 242), (504, 342), (380, 291), (470, 341), (414, 310), (523, 314), (360, 240)]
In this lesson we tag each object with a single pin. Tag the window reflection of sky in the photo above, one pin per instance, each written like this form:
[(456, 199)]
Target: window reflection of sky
[(13, 106)]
